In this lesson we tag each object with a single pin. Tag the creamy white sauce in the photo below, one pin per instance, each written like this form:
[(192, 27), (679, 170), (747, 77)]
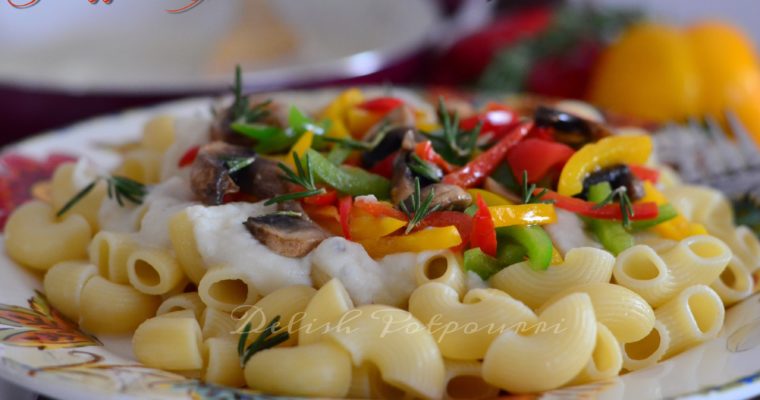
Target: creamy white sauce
[(223, 240), (188, 133), (163, 201), (84, 172), (389, 280), (568, 233), (116, 218)]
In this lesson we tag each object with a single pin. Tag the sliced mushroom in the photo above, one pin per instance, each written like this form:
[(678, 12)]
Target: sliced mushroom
[(617, 176), (399, 116), (391, 142), (570, 129), (402, 182), (263, 179), (210, 178), (287, 235), (447, 197), (492, 185), (221, 131)]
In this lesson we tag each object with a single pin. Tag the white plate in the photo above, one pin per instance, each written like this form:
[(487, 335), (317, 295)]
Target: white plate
[(725, 368), (137, 47)]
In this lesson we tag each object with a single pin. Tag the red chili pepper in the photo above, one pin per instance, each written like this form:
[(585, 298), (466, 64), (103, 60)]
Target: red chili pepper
[(380, 209), (461, 221), (385, 166), (497, 120), (344, 211), (382, 105), (537, 157), (477, 170), (326, 199), (189, 156), (645, 173), (641, 211), (425, 151), (483, 232)]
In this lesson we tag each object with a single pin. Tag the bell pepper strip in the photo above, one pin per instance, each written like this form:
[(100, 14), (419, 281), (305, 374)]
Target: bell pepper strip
[(510, 253), (381, 105), (425, 151), (379, 209), (461, 221), (666, 213), (483, 234), (348, 180), (338, 154), (302, 144), (676, 228), (491, 198), (604, 153), (523, 214), (495, 120), (344, 212), (641, 211), (537, 243), (537, 157), (325, 199), (256, 131), (477, 170), (485, 266), (337, 110), (611, 234), (326, 217), (364, 226), (423, 240), (644, 173), (189, 156), (359, 121), (384, 167)]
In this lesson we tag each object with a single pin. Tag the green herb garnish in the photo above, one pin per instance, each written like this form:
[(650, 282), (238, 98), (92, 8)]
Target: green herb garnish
[(527, 192), (119, 188), (263, 342), (453, 144), (418, 209), (240, 110), (303, 176), (360, 144), (626, 206), (424, 169)]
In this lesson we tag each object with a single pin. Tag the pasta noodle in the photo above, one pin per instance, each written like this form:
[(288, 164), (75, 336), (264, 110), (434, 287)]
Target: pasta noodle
[(542, 361), (185, 247), (158, 134), (464, 330), (464, 380), (64, 187), (329, 303), (288, 303), (154, 271), (172, 342), (64, 284), (735, 282), (110, 252), (217, 323), (445, 268), (34, 237), (692, 317), (183, 301), (647, 351), (606, 360), (107, 307), (222, 362), (582, 265), (226, 288), (141, 165)]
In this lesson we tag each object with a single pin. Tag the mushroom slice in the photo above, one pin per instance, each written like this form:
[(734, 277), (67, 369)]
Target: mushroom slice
[(286, 234), (447, 197), (210, 177)]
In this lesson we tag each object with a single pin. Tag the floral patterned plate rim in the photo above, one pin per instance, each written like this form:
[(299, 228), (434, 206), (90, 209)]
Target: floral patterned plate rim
[(43, 352)]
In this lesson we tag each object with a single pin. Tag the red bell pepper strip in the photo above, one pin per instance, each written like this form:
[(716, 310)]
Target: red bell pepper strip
[(477, 170), (541, 132), (326, 199), (425, 151), (497, 119), (483, 231), (645, 173), (384, 167), (189, 156), (641, 211), (537, 157), (461, 221), (344, 211), (380, 209), (382, 105)]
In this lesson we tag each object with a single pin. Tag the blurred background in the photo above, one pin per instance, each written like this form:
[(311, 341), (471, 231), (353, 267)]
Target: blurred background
[(63, 61)]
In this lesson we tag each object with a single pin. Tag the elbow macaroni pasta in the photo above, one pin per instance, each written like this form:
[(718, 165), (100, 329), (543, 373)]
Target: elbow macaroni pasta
[(154, 271), (110, 252), (329, 303), (692, 317), (444, 268), (222, 362), (63, 188), (64, 283), (171, 341), (183, 301), (107, 307)]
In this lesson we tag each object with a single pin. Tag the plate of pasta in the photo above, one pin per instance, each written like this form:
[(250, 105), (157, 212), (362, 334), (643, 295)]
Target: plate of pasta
[(369, 243)]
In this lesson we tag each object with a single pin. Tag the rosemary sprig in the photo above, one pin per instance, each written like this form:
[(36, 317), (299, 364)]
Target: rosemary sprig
[(527, 191), (359, 144), (419, 208), (119, 188), (264, 341), (303, 176), (424, 168), (626, 206), (240, 110), (451, 132)]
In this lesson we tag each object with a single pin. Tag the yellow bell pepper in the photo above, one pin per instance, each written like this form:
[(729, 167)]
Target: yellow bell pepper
[(677, 228), (365, 227), (556, 256), (358, 121), (491, 198), (299, 147), (604, 153), (426, 239), (522, 214), (337, 111)]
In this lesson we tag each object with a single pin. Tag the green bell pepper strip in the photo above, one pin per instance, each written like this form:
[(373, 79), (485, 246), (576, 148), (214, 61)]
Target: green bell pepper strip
[(535, 241), (338, 154), (481, 263), (611, 234), (346, 179), (256, 131), (665, 213), (510, 253)]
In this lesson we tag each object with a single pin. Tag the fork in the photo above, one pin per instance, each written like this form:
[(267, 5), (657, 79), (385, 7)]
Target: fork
[(705, 154)]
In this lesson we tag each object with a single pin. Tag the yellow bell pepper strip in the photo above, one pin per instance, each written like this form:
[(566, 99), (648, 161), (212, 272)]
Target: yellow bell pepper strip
[(604, 153), (365, 227), (423, 240), (556, 256), (491, 198), (676, 228), (523, 214), (302, 144), (359, 121), (611, 234), (348, 180), (337, 111), (536, 242)]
